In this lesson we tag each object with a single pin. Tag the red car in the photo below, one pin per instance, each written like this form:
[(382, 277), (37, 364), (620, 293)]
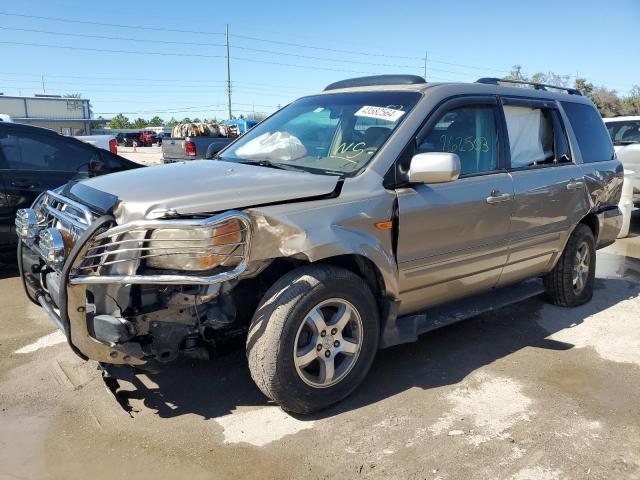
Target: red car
[(147, 138)]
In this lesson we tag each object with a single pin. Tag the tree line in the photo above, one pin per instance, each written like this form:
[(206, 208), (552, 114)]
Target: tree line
[(121, 121), (609, 102)]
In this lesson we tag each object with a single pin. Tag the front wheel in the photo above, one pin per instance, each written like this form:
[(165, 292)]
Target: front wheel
[(570, 283), (313, 337)]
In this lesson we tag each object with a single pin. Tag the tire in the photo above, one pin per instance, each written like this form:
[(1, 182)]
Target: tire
[(562, 285), (289, 322)]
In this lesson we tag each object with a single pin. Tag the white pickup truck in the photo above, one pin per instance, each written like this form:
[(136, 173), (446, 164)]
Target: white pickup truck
[(625, 134), (106, 142)]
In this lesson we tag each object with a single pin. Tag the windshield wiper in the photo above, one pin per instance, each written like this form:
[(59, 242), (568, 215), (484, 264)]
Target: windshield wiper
[(270, 164)]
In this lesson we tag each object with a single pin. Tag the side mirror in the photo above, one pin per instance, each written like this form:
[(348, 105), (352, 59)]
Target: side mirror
[(434, 167)]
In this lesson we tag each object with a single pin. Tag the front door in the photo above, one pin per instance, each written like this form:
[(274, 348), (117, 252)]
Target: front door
[(453, 237)]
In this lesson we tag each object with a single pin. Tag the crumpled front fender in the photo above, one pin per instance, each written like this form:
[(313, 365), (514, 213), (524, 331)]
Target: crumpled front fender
[(318, 230)]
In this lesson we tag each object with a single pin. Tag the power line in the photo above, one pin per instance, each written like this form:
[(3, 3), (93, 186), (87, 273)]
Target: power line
[(326, 49), (66, 47), (200, 108), (270, 85), (238, 47), (108, 37), (105, 50), (252, 38), (86, 22)]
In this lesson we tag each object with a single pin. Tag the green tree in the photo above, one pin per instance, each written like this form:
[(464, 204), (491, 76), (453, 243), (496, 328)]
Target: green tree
[(171, 123), (156, 122), (72, 95), (139, 123), (631, 103), (119, 121), (551, 78), (186, 120), (196, 120), (100, 124), (585, 87), (608, 101), (515, 74)]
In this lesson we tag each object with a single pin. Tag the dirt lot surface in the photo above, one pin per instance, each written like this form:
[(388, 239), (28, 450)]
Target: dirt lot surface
[(531, 391), (144, 155)]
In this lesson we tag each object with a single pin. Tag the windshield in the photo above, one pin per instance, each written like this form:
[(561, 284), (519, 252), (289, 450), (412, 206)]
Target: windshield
[(624, 132), (336, 133)]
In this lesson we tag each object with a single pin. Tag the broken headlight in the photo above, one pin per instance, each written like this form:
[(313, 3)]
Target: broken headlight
[(197, 248)]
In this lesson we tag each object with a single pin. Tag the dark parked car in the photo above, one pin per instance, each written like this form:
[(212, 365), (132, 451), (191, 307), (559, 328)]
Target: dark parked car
[(34, 160), (127, 139)]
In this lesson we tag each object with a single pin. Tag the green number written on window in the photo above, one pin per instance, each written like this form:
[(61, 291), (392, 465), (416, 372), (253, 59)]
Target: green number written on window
[(454, 144)]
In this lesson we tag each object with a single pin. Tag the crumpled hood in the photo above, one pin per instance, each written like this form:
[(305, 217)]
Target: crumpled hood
[(206, 186)]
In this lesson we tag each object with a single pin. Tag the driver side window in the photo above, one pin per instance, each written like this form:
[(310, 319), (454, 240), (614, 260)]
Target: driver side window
[(469, 132), (49, 153)]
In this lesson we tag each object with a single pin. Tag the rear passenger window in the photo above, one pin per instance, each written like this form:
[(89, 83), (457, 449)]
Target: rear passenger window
[(469, 132), (536, 136), (593, 139)]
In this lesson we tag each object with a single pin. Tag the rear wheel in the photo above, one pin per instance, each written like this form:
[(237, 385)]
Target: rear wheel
[(313, 337), (570, 283)]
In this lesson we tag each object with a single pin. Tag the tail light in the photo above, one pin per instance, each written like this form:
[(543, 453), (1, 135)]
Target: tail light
[(113, 146), (190, 148)]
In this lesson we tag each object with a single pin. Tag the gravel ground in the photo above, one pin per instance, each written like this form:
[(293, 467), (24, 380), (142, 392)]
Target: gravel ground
[(144, 155), (530, 391)]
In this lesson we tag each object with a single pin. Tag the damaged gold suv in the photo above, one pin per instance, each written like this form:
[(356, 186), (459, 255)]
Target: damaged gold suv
[(348, 221)]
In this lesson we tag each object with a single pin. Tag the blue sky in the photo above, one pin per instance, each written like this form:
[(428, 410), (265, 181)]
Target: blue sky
[(282, 50)]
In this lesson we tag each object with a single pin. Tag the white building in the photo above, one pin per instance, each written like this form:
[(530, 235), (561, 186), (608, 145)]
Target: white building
[(68, 116)]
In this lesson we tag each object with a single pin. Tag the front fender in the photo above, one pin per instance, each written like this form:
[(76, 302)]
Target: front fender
[(318, 230)]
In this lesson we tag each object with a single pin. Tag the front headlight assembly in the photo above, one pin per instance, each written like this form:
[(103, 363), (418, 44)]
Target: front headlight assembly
[(197, 248)]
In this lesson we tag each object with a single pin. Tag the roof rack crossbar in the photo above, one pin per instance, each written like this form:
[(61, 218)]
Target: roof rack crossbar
[(376, 80), (536, 85)]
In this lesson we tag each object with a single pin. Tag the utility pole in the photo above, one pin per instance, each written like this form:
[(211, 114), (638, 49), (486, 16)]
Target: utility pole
[(228, 71), (43, 90), (425, 64)]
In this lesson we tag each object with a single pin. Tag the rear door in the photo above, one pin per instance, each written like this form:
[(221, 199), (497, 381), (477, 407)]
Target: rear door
[(601, 170), (549, 186), (453, 237), (33, 162)]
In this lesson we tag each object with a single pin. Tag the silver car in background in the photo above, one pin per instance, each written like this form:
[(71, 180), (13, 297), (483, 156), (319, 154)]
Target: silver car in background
[(625, 134), (348, 221)]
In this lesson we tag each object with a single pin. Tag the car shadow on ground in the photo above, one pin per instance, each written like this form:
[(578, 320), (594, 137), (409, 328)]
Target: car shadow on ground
[(8, 264), (443, 357)]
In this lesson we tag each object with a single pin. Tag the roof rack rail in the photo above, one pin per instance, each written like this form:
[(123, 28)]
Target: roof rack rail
[(376, 80), (537, 86)]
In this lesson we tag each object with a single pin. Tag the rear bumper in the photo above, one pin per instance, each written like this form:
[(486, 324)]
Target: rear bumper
[(609, 224)]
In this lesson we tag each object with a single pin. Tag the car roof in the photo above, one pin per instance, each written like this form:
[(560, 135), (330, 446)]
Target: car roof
[(450, 89), (33, 128), (621, 118)]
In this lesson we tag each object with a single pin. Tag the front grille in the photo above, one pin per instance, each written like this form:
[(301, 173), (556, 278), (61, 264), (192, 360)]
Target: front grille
[(65, 214), (70, 218)]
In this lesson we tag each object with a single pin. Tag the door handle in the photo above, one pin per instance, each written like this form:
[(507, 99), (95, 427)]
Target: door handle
[(574, 185), (24, 184), (497, 197)]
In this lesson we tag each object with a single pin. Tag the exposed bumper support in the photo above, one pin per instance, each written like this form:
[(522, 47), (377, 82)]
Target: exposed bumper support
[(51, 312)]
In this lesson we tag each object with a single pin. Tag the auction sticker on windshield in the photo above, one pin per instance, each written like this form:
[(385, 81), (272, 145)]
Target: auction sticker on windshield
[(380, 113)]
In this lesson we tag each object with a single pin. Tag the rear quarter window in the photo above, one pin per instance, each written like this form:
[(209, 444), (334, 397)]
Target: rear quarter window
[(593, 139)]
